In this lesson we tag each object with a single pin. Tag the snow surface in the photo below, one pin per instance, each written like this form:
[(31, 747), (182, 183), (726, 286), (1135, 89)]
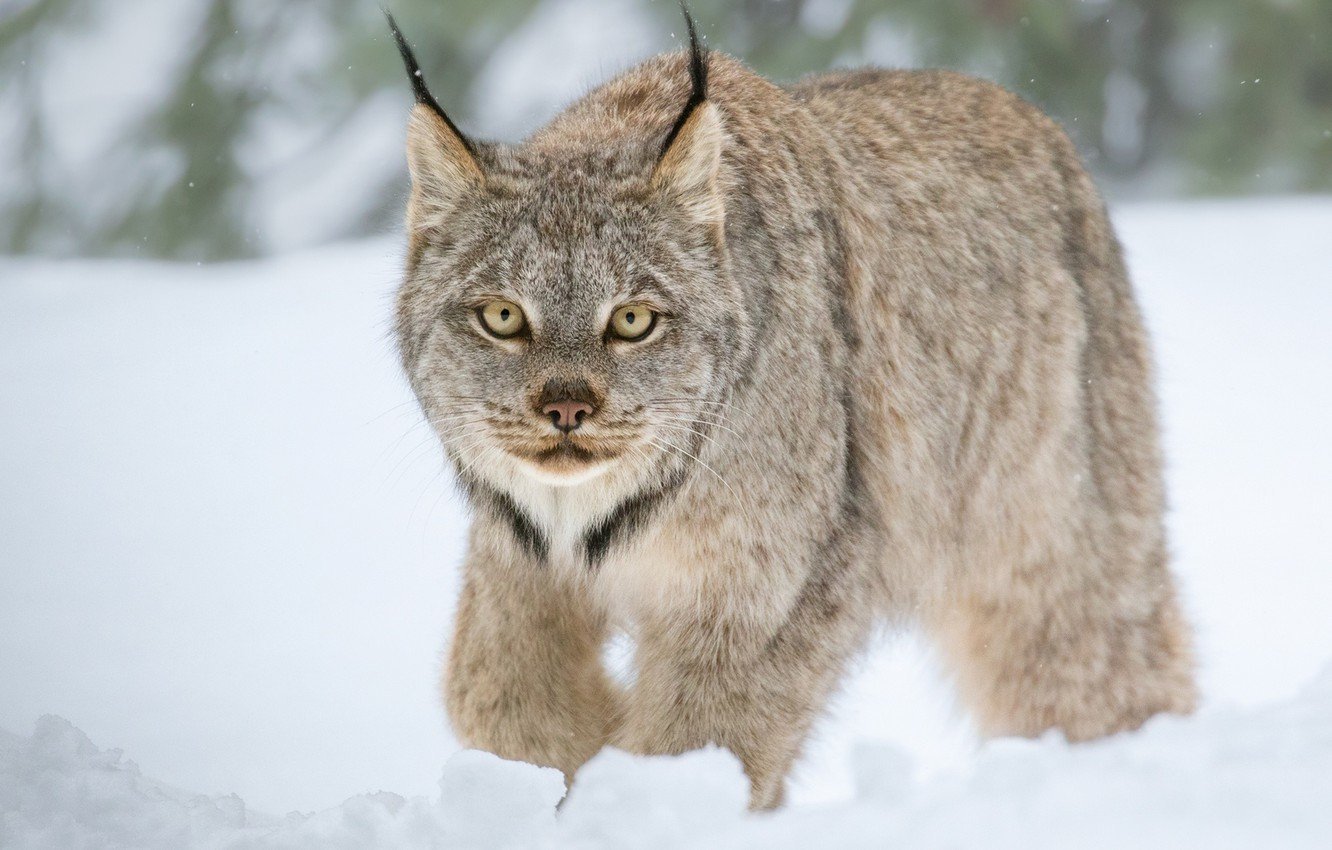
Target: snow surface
[(227, 545), (1220, 780)]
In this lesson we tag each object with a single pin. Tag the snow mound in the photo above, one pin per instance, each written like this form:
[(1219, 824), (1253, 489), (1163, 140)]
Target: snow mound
[(1227, 778)]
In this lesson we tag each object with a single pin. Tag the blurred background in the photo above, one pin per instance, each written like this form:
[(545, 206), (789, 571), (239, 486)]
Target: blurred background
[(220, 129)]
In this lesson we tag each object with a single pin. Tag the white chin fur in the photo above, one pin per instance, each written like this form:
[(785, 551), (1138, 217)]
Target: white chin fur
[(562, 479)]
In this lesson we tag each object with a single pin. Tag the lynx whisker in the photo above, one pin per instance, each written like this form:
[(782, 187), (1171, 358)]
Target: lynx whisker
[(696, 459), (708, 423)]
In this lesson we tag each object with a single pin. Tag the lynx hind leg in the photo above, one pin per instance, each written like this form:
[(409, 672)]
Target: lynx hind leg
[(524, 678), (1083, 646)]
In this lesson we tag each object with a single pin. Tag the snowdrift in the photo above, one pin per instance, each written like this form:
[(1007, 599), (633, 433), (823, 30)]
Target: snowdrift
[(1219, 780)]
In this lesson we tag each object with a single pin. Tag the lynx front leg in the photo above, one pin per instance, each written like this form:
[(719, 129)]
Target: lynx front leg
[(524, 677), (727, 681)]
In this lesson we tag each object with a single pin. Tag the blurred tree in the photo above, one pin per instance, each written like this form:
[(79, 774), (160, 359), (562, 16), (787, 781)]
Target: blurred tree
[(1163, 96), (26, 209)]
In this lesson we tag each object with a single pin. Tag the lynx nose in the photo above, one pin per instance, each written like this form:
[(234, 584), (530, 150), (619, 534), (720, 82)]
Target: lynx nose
[(567, 414)]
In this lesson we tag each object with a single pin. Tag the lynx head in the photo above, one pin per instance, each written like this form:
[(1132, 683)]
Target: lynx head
[(566, 311)]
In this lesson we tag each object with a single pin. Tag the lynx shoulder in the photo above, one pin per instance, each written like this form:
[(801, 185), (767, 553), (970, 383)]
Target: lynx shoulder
[(742, 369)]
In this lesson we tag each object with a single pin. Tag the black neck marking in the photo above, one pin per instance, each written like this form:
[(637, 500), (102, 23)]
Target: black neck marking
[(628, 518), (502, 505)]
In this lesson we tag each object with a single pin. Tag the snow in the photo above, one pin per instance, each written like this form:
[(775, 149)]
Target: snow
[(227, 546), (1221, 780)]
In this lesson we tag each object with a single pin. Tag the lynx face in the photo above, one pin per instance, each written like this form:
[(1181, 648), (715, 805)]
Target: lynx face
[(567, 316), (566, 311)]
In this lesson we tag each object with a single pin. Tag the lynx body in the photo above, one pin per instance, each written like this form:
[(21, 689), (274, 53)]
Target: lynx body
[(893, 371)]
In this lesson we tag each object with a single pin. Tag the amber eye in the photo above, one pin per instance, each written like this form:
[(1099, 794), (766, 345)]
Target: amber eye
[(632, 321), (502, 318)]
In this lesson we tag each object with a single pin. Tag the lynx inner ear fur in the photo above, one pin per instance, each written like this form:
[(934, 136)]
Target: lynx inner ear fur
[(440, 158), (441, 165), (687, 170), (691, 155)]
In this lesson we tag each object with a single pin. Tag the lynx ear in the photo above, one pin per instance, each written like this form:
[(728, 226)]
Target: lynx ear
[(442, 160), (441, 164), (688, 168), (691, 155)]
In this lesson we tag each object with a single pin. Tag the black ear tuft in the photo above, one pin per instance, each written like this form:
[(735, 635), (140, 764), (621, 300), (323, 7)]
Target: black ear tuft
[(419, 89), (698, 76)]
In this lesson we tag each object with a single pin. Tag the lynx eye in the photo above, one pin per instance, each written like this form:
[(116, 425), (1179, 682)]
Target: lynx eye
[(502, 318), (632, 321)]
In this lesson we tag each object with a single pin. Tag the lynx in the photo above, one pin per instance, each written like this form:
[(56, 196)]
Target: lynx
[(742, 370)]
